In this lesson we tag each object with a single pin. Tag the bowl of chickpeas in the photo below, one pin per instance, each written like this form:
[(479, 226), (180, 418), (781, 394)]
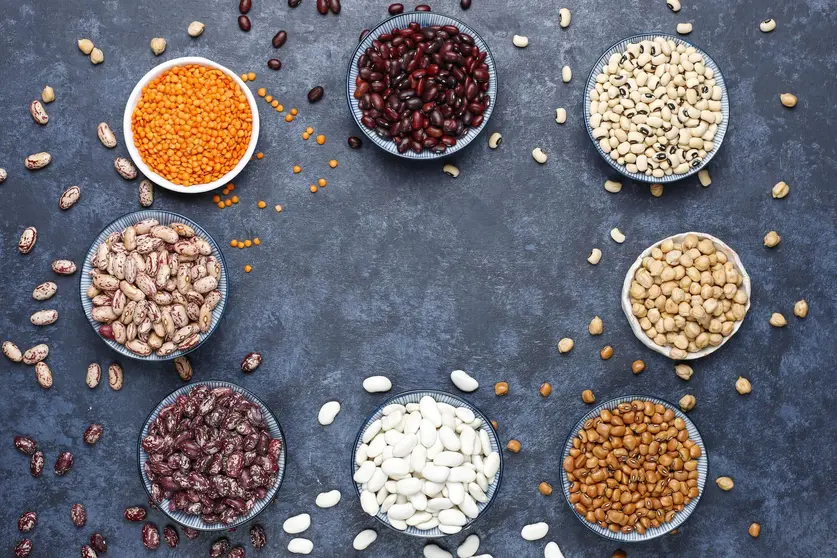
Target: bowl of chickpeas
[(191, 125)]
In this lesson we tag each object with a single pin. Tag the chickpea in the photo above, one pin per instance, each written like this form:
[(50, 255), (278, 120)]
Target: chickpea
[(565, 345), (596, 327), (514, 446), (588, 396), (778, 320), (800, 309), (684, 371), (501, 388), (742, 385), (637, 366)]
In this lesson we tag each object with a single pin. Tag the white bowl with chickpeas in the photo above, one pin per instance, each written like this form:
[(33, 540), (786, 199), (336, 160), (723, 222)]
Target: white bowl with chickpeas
[(686, 295)]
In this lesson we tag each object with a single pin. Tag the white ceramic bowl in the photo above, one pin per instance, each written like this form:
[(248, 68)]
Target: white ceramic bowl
[(634, 322), (129, 134), (620, 47)]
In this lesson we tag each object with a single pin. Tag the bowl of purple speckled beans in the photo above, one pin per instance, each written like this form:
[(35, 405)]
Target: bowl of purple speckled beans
[(421, 85)]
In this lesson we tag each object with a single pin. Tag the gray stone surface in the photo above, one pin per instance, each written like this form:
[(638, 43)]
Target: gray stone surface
[(396, 269)]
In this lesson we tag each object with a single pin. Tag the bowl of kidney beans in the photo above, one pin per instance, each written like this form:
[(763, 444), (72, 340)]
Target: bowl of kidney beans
[(422, 85), (211, 456)]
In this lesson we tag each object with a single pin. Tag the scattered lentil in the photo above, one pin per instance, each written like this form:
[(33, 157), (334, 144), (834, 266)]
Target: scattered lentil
[(261, 92), (289, 118), (321, 139), (248, 243), (261, 204), (297, 169), (235, 199), (313, 188), (322, 183), (257, 241), (294, 111), (268, 98), (333, 163), (754, 530), (251, 76), (248, 268)]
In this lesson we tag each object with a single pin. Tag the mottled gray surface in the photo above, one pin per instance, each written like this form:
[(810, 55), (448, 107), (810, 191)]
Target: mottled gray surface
[(397, 269)]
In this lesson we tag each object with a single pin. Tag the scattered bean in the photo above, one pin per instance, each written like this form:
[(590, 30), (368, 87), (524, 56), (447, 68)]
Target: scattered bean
[(656, 190), (328, 499), (64, 267), (545, 488), (106, 135), (566, 74), (754, 530), (539, 155), (279, 39), (606, 352), (560, 115), (97, 543), (767, 25), (377, 384), (158, 46), (395, 9), (355, 142), (684, 371), (43, 374), (25, 445), (328, 412), (183, 368), (12, 351), (495, 140), (97, 56), (244, 23), (534, 531), (44, 317), (743, 386), (195, 29), (595, 256), (725, 483), (35, 354), (520, 41), (596, 326), (244, 6), (93, 376), (251, 362), (780, 190), (704, 178), (778, 320), (464, 381), (450, 170), (297, 524), (63, 463), (545, 389), (78, 515), (115, 376), (300, 546), (617, 235), (150, 536), (258, 538), (501, 388), (85, 46), (772, 239), (274, 64), (613, 186), (514, 446), (637, 366), (315, 94), (170, 536), (587, 396), (69, 198), (3, 175), (800, 309), (684, 28), (565, 345), (23, 548), (36, 464), (27, 521), (788, 99), (687, 402), (146, 193), (37, 160), (551, 550), (125, 168), (564, 17), (465, 4), (38, 112)]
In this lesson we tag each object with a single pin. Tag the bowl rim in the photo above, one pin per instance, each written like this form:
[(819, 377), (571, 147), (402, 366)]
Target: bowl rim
[(84, 281), (267, 500), (634, 322), (492, 433), (719, 138), (374, 138), (128, 133), (656, 532)]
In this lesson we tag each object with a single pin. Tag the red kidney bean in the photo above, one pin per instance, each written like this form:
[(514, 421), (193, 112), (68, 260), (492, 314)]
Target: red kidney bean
[(88, 552), (422, 8), (322, 6), (26, 445), (395, 9), (170, 536), (190, 533), (279, 39), (27, 521), (363, 34), (334, 6), (150, 536), (219, 548), (464, 4), (36, 464), (294, 3), (244, 6), (97, 542), (274, 64), (244, 23), (258, 538), (355, 142), (63, 463), (315, 94), (135, 513), (78, 515)]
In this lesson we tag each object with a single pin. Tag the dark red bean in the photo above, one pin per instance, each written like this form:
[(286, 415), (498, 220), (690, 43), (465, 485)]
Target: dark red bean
[(244, 23), (36, 464), (363, 34), (170, 536), (78, 515), (63, 463), (92, 434), (477, 121), (355, 142), (150, 536), (279, 39), (334, 6), (322, 6), (315, 94), (88, 552), (244, 6), (257, 536), (274, 64), (27, 521), (294, 3), (464, 4), (422, 8), (135, 513), (25, 445), (98, 543), (219, 548), (395, 9), (23, 548)]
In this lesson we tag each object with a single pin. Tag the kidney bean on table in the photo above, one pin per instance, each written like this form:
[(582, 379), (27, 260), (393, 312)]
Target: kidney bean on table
[(25, 445), (244, 6), (322, 6), (98, 543), (150, 536), (423, 87), (464, 4), (36, 464), (63, 463), (395, 9), (244, 23), (294, 3), (274, 64), (279, 39)]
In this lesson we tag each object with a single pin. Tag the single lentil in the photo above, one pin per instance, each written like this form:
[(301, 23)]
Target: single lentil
[(261, 204), (333, 163)]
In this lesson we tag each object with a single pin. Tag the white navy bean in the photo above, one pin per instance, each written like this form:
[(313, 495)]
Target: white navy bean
[(566, 74), (297, 524), (377, 384), (520, 41), (684, 28), (534, 531), (767, 25), (328, 412), (364, 539), (551, 549), (328, 499), (565, 17), (463, 381), (300, 546), (434, 551), (369, 503)]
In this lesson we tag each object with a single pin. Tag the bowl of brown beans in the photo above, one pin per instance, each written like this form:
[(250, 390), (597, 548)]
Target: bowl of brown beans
[(191, 125), (634, 468), (211, 455), (421, 85), (686, 295)]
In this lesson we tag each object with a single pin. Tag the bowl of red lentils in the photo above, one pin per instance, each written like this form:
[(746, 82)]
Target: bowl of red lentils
[(191, 125)]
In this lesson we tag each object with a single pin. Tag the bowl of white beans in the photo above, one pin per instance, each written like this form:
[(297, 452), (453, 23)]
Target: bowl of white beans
[(686, 295), (427, 463), (656, 107)]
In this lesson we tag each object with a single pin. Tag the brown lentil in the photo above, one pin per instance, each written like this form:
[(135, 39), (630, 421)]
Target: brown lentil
[(632, 468)]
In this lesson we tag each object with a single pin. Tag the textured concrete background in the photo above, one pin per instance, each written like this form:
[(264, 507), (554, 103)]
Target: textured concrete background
[(397, 269)]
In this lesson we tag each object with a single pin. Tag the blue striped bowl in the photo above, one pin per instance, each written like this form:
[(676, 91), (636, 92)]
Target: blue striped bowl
[(591, 84), (424, 19), (441, 397), (273, 427), (681, 516), (165, 218)]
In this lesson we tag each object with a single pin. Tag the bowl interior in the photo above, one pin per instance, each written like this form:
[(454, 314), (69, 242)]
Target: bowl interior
[(424, 19), (165, 218), (442, 397), (274, 428), (129, 134), (634, 322), (591, 83), (683, 515)]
